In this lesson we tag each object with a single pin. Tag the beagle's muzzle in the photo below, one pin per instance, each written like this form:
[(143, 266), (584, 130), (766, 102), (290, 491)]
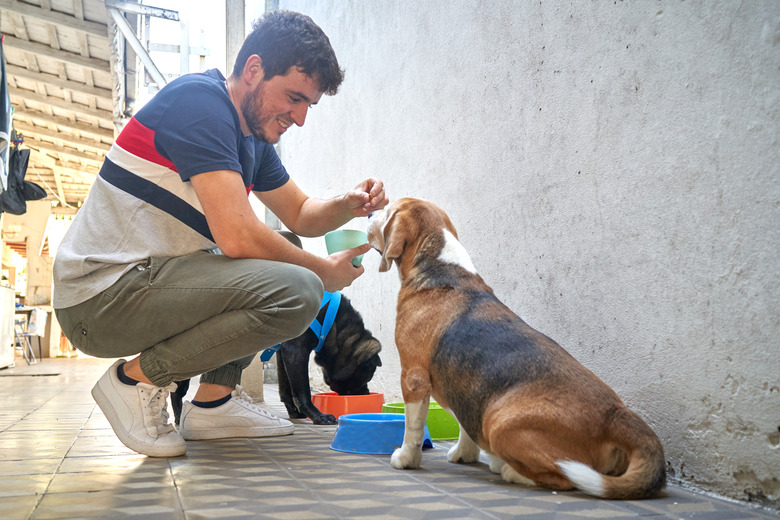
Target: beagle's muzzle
[(542, 417)]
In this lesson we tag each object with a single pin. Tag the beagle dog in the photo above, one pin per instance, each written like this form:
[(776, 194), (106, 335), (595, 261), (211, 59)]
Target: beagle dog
[(542, 418)]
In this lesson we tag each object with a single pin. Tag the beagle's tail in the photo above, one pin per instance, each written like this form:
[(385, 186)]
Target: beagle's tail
[(645, 475)]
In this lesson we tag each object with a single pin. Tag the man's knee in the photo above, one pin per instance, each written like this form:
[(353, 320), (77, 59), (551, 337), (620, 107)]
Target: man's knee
[(311, 298), (305, 298)]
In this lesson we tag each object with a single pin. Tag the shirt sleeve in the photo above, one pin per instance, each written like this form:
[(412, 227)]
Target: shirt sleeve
[(196, 128), (269, 171)]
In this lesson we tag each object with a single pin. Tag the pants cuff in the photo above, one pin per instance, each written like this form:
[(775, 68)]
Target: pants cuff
[(153, 370), (228, 375)]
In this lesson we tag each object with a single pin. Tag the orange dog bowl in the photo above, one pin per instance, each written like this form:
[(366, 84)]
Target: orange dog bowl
[(338, 405)]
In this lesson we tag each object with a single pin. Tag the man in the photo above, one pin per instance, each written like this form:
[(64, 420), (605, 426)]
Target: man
[(135, 275)]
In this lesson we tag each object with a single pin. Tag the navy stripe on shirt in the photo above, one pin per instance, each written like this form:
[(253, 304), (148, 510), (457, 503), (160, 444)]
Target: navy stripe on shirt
[(156, 196)]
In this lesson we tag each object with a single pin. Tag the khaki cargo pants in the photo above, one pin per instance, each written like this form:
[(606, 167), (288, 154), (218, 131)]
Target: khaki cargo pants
[(197, 314)]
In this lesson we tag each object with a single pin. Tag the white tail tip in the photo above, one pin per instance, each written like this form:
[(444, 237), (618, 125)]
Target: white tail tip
[(583, 477)]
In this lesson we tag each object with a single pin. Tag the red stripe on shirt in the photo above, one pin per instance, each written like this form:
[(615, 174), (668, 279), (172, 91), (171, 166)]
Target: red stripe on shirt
[(139, 141)]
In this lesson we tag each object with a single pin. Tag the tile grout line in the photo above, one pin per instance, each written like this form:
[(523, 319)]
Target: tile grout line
[(62, 460), (176, 487), (316, 494), (413, 477), (439, 490), (25, 416)]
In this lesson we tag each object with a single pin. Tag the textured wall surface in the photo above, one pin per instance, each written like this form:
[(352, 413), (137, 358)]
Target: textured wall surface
[(614, 170)]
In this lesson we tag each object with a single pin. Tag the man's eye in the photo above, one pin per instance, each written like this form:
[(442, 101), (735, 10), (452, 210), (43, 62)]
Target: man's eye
[(295, 99)]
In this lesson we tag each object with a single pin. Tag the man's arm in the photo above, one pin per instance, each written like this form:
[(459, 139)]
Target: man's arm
[(240, 234), (311, 217)]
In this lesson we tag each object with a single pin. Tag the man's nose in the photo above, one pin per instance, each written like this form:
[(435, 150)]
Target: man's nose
[(298, 114)]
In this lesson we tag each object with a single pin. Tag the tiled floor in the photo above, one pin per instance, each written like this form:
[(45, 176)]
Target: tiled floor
[(60, 459)]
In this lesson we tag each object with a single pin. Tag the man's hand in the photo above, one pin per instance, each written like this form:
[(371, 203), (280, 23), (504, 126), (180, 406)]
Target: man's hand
[(366, 197), (340, 272)]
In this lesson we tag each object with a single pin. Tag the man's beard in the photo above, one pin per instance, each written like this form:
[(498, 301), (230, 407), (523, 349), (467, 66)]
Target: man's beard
[(252, 110)]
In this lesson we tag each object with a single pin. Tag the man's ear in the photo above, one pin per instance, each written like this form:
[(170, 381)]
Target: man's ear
[(394, 243), (253, 69)]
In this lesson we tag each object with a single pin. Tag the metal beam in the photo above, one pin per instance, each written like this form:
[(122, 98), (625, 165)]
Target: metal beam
[(138, 48), (176, 49), (117, 50), (234, 31), (145, 10)]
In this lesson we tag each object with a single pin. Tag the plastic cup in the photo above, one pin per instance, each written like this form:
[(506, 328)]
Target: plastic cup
[(342, 239)]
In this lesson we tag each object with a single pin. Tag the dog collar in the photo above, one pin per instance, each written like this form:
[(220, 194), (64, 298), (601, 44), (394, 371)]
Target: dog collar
[(320, 330)]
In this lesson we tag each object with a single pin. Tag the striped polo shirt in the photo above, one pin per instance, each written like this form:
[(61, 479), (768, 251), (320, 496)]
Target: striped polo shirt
[(142, 203)]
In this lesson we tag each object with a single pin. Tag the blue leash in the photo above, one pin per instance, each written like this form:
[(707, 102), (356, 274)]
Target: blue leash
[(321, 330)]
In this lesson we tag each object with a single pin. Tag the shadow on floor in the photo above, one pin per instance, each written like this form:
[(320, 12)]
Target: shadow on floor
[(60, 459)]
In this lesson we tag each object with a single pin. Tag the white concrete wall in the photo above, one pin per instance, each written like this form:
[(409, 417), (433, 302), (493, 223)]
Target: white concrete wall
[(614, 170)]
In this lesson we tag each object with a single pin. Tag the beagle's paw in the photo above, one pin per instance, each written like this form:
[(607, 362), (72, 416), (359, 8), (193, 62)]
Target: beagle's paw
[(463, 453), (495, 464), (509, 474), (406, 457)]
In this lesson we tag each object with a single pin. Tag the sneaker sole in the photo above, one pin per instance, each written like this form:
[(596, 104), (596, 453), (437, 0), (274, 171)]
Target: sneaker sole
[(134, 444), (228, 433)]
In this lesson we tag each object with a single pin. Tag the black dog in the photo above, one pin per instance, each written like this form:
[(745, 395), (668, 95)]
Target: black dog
[(349, 357)]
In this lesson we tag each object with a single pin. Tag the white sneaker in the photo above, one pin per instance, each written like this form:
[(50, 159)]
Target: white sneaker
[(238, 417), (139, 415)]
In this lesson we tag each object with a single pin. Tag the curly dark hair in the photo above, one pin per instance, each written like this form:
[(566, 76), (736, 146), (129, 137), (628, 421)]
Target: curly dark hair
[(285, 39)]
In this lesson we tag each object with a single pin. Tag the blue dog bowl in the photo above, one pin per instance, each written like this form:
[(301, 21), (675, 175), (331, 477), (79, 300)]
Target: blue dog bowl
[(372, 433)]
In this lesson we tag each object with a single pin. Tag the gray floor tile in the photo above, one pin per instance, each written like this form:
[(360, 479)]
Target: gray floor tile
[(59, 458)]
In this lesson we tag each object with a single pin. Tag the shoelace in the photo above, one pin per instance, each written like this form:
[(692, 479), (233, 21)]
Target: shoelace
[(156, 407), (242, 396)]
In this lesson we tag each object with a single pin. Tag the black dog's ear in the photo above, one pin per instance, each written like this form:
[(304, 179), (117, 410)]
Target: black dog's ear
[(368, 348), (365, 350)]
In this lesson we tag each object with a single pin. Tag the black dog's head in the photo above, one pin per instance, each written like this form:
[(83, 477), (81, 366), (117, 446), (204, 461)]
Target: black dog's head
[(350, 355), (355, 383)]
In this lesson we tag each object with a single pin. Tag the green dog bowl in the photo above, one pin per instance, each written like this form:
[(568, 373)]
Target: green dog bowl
[(342, 239), (441, 424)]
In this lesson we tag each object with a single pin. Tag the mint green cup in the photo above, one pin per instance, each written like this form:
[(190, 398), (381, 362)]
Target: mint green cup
[(342, 239)]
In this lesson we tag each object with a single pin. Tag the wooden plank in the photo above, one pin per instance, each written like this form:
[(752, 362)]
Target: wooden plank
[(59, 55), (77, 108), (95, 29), (22, 112), (76, 86), (95, 146)]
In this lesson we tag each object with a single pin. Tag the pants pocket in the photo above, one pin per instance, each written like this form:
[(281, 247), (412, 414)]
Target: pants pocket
[(77, 333), (79, 337)]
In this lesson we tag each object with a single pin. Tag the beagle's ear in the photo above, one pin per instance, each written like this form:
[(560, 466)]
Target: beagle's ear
[(394, 243)]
